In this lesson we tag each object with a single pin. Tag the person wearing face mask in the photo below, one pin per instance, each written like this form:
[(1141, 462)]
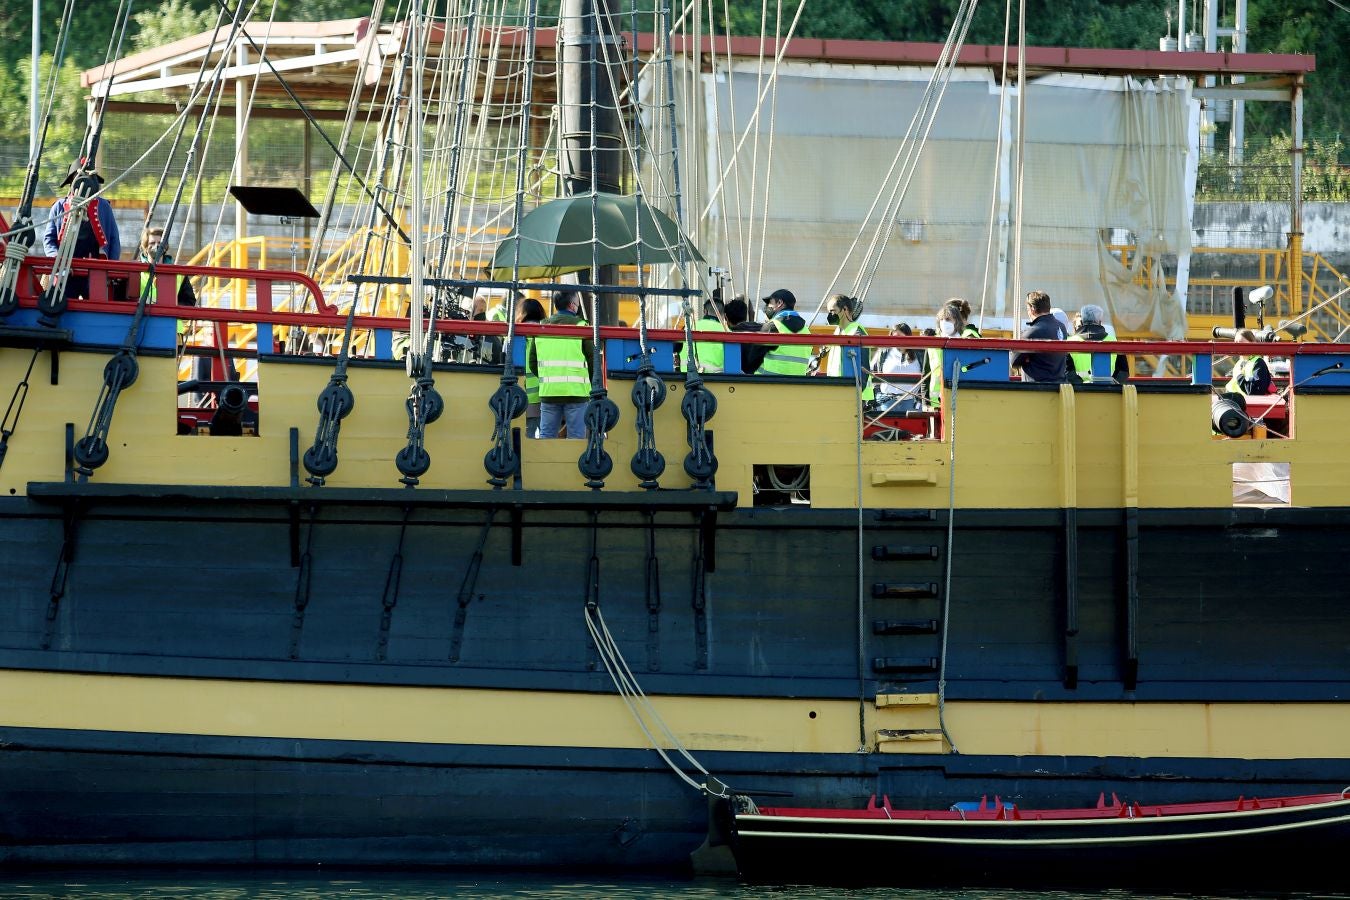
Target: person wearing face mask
[(842, 312), (785, 359), (951, 322)]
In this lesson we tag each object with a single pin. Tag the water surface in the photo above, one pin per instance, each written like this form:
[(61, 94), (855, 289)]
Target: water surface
[(168, 885)]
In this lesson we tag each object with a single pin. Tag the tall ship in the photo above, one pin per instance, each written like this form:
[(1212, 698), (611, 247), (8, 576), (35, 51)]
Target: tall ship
[(288, 579)]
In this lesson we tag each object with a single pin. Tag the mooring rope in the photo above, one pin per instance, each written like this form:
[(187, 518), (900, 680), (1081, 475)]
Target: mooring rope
[(642, 708)]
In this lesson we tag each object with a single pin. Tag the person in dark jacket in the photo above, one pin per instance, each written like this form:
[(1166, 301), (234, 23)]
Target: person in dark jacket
[(1043, 326), (98, 236), (787, 359), (1088, 326)]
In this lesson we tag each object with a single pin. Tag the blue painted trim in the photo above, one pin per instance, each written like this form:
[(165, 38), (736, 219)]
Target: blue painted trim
[(107, 329), (731, 358), (384, 343), (1305, 369), (997, 369), (1202, 369), (624, 355)]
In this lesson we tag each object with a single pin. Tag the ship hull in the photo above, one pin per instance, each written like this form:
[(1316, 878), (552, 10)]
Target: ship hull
[(229, 680), (121, 798)]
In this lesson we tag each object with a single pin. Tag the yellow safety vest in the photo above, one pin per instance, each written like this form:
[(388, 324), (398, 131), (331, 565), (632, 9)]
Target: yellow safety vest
[(562, 367), (181, 326), (835, 367), (934, 355), (1245, 369), (711, 357), (786, 359), (531, 379), (1082, 362)]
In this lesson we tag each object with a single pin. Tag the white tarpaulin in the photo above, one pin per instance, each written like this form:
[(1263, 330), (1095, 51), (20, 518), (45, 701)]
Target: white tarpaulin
[(1105, 163)]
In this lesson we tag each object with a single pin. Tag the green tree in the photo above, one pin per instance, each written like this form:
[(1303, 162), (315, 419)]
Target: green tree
[(64, 133), (168, 22)]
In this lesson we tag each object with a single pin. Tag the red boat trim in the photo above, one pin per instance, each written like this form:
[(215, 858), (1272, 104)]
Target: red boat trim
[(1011, 813)]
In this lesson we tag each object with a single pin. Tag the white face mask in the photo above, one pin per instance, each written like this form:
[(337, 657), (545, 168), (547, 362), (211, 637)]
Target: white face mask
[(947, 327)]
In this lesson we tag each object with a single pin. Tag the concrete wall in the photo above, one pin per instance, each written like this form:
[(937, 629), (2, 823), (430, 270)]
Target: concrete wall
[(1326, 227)]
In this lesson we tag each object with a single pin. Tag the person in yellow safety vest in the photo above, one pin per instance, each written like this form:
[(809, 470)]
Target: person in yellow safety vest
[(842, 312), (1251, 375), (785, 359), (952, 321), (151, 248), (531, 311), (563, 366), (1088, 326), (710, 356)]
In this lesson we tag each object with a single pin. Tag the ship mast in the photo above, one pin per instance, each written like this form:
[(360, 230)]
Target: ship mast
[(592, 157)]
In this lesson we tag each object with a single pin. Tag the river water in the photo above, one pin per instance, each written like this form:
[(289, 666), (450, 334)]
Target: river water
[(308, 886)]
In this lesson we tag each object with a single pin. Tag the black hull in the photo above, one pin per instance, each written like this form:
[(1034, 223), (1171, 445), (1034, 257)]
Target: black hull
[(239, 589), (1284, 849), (73, 798), (222, 585)]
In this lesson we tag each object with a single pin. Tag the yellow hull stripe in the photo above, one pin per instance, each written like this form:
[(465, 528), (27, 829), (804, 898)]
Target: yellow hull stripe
[(449, 715), (1018, 449)]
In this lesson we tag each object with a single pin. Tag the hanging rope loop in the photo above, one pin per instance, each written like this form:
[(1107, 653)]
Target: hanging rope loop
[(16, 250)]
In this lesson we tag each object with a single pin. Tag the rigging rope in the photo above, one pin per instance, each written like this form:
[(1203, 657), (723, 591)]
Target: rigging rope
[(344, 139), (121, 371), (509, 401), (947, 576), (23, 233), (858, 381), (1021, 160), (886, 226), (906, 159), (424, 404), (319, 130), (998, 160), (84, 189)]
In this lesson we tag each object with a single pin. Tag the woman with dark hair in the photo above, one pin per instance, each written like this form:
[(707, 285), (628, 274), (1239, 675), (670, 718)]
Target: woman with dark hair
[(898, 390), (532, 311)]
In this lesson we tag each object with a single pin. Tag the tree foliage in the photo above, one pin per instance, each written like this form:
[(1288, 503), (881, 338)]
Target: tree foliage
[(168, 22)]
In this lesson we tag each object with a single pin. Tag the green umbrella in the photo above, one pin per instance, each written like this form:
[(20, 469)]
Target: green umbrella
[(555, 237)]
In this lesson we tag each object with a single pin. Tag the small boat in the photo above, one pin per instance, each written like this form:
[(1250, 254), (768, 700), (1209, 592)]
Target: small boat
[(1243, 843)]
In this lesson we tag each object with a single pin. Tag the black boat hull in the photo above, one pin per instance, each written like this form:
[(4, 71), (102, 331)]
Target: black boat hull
[(1277, 848)]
